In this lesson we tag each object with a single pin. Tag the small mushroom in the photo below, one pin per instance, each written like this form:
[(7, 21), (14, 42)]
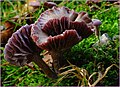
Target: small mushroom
[(21, 50), (57, 30), (96, 24)]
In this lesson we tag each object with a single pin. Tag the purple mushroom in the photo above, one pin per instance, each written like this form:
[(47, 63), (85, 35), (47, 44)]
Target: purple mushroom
[(58, 29), (96, 24), (21, 50)]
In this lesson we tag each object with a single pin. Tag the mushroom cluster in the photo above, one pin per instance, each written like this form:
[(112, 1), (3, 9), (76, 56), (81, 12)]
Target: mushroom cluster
[(56, 31)]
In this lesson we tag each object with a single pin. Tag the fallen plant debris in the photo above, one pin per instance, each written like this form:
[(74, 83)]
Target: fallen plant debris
[(100, 75), (82, 74), (95, 5), (91, 2), (49, 4), (48, 59), (5, 34)]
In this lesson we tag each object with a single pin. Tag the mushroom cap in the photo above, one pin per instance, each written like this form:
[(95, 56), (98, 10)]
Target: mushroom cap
[(20, 47), (55, 13), (96, 22), (58, 29)]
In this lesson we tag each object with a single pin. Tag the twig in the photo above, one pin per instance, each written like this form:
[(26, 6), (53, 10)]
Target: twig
[(99, 77)]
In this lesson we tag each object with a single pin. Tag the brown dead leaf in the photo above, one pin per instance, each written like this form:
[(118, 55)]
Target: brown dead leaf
[(30, 65), (9, 24), (47, 58), (7, 33), (90, 2), (49, 4)]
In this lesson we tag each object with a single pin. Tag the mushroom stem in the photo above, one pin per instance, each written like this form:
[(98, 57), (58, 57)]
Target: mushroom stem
[(58, 60), (44, 67), (97, 33)]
